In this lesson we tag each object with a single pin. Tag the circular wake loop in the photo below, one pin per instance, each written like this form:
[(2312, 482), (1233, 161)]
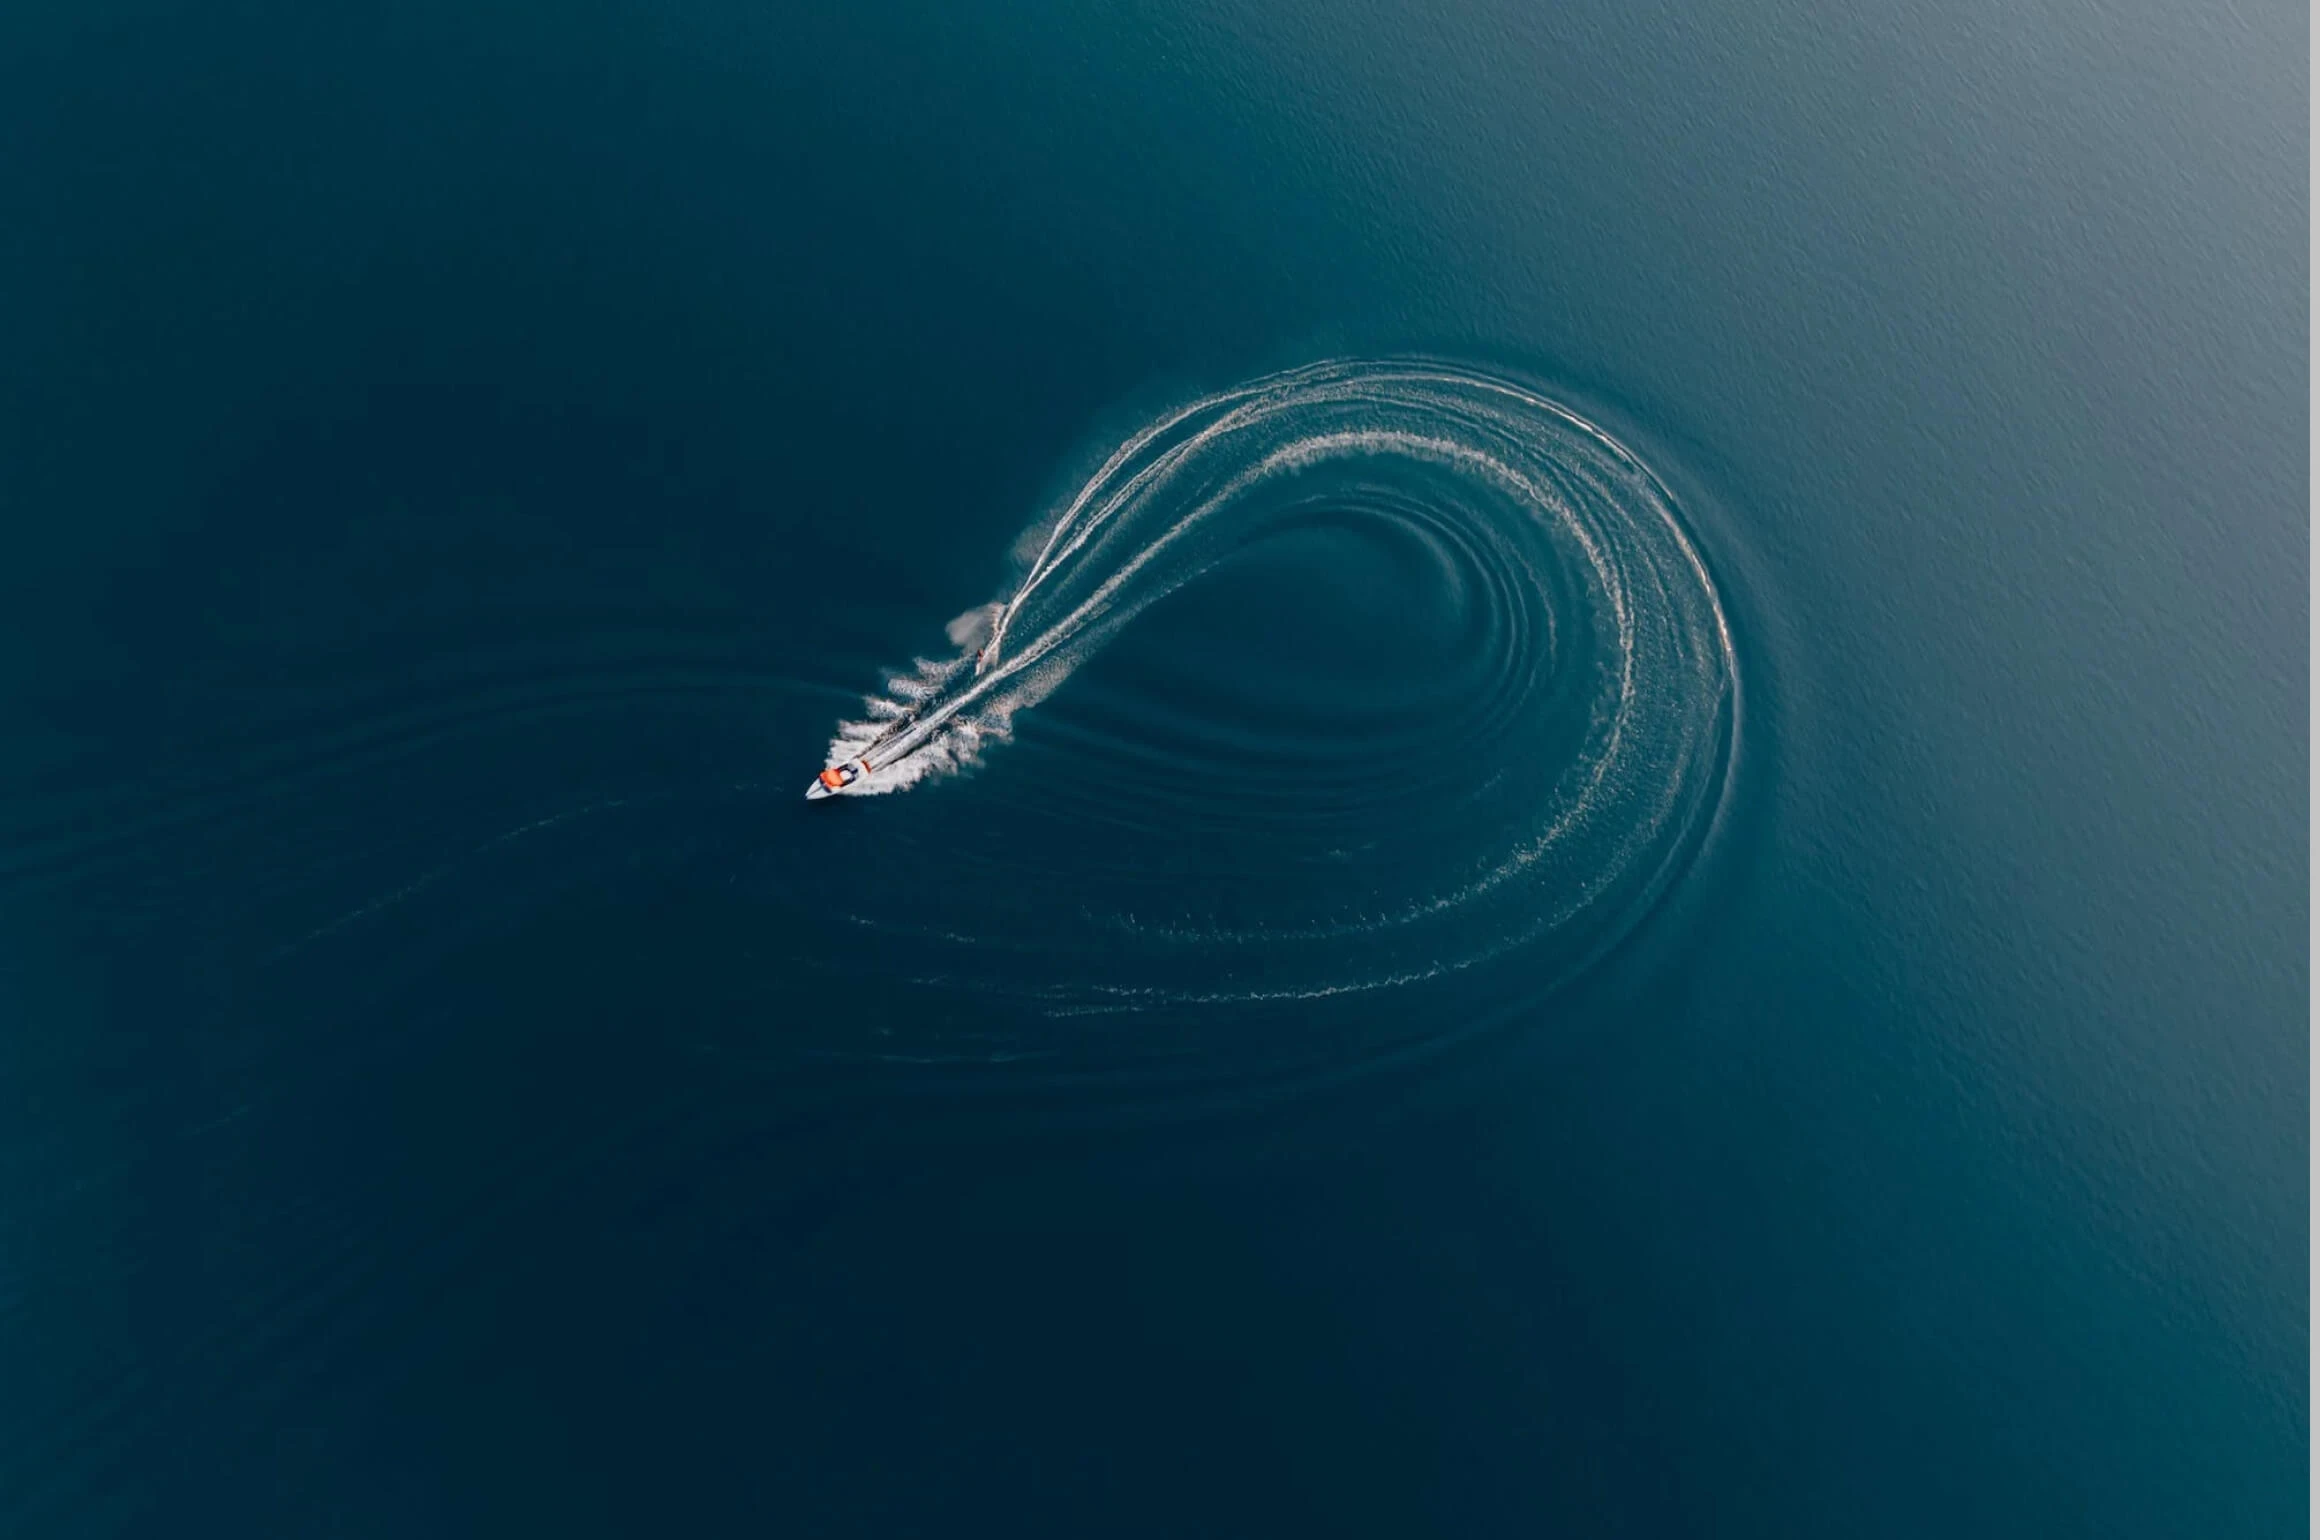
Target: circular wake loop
[(1532, 789)]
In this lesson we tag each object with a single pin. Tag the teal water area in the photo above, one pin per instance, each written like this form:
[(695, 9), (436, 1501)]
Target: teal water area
[(1668, 897)]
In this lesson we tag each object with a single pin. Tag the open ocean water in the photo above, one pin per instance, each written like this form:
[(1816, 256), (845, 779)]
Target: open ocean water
[(1629, 855)]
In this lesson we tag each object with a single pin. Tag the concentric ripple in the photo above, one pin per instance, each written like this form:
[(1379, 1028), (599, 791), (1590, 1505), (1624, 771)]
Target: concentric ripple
[(1512, 757)]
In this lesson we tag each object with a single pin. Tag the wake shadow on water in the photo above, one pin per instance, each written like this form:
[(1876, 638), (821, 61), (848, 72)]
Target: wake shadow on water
[(1445, 828)]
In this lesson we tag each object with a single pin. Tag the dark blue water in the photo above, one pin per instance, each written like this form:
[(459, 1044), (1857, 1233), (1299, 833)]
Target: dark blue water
[(1699, 930)]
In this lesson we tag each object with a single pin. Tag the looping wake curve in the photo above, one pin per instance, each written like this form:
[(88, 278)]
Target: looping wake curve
[(1524, 765)]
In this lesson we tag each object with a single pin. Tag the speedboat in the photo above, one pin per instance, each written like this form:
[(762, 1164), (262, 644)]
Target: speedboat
[(836, 779)]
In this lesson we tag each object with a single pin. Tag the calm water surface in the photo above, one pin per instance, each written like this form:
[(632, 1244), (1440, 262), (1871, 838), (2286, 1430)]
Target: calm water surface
[(1647, 876)]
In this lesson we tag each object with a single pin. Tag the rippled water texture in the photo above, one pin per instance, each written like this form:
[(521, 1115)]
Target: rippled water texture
[(1526, 770)]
